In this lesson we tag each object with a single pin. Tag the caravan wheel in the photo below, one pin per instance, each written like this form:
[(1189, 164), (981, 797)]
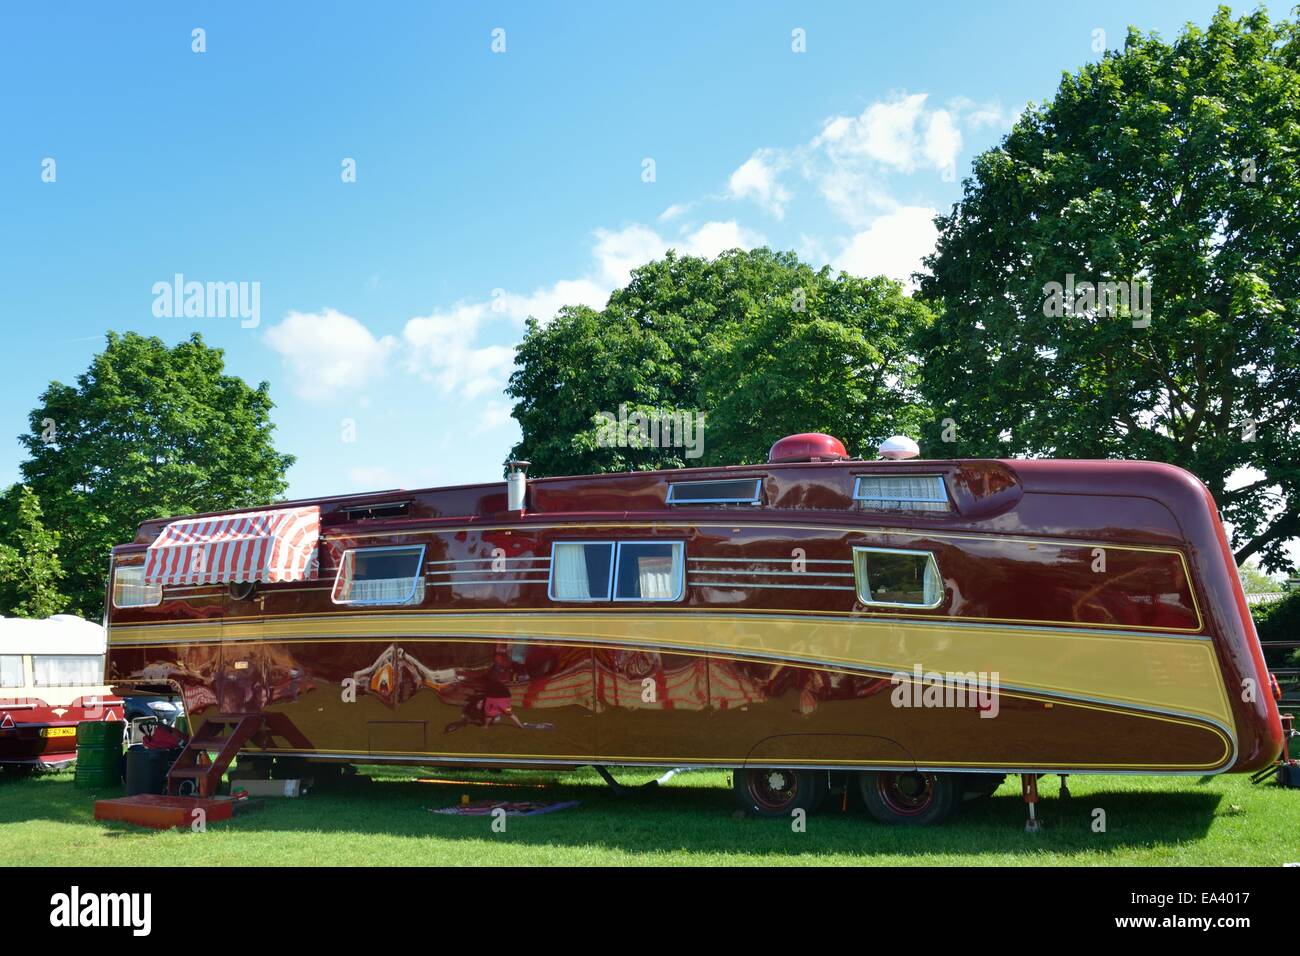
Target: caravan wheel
[(910, 797), (776, 792)]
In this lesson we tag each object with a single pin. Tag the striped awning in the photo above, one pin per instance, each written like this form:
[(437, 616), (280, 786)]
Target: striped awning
[(265, 546)]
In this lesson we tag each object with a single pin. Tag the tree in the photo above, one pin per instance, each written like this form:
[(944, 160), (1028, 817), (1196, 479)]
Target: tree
[(757, 342), (1173, 164), (30, 571), (1255, 581), (148, 431)]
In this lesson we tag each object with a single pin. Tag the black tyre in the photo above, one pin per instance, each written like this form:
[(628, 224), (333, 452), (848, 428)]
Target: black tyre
[(776, 792), (910, 797), (977, 786)]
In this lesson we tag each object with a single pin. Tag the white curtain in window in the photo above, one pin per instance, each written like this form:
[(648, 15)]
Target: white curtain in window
[(67, 671), (656, 578), (386, 590), (884, 492), (933, 585), (11, 670), (129, 589), (659, 577), (571, 571)]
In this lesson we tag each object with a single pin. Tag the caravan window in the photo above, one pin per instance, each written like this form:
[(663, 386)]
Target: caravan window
[(621, 571), (730, 491), (67, 670), (129, 589), (901, 492), (381, 576), (11, 670), (895, 578), (581, 570), (648, 571)]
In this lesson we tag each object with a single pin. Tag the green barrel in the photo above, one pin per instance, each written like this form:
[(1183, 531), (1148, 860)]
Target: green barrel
[(99, 754)]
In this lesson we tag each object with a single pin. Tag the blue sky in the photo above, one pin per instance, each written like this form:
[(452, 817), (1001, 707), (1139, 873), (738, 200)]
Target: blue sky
[(489, 185)]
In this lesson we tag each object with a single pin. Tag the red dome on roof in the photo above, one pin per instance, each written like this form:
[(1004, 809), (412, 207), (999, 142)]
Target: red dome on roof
[(810, 446)]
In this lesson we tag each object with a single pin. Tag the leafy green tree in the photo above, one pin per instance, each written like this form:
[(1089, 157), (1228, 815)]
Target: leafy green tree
[(1255, 581), (1169, 163), (839, 365), (30, 573), (147, 431), (759, 343)]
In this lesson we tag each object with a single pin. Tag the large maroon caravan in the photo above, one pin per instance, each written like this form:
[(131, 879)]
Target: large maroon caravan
[(914, 628)]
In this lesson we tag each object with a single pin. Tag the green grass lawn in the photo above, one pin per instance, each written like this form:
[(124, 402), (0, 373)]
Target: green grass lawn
[(383, 818)]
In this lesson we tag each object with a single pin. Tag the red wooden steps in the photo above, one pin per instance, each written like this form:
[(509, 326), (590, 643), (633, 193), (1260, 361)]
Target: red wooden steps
[(224, 734)]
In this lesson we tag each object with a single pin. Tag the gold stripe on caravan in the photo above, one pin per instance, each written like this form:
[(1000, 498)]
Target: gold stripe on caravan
[(1165, 673)]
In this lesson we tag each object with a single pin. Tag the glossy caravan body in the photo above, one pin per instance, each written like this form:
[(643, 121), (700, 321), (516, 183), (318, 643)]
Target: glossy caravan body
[(1101, 595)]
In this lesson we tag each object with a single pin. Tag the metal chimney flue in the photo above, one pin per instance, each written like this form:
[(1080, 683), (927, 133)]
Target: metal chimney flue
[(516, 484)]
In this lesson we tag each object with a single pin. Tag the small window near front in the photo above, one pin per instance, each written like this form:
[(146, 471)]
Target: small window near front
[(648, 571), (67, 670), (129, 589), (894, 578), (11, 670), (380, 576), (581, 570)]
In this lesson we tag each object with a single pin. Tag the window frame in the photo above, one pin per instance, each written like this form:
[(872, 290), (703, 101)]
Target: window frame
[(37, 682), (755, 501), (616, 557), (618, 560), (944, 500), (609, 586), (861, 576), (416, 579), (118, 569), (22, 672)]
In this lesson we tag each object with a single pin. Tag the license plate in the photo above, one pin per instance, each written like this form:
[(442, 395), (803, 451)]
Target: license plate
[(58, 731)]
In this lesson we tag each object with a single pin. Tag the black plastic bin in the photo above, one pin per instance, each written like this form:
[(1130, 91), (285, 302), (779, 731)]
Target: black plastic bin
[(146, 770)]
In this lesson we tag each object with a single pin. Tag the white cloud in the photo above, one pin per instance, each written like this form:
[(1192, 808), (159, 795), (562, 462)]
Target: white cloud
[(545, 302), (979, 115), (618, 252), (441, 347), (446, 347), (885, 133), (892, 245), (713, 238), (328, 353), (495, 415), (942, 140), (756, 178), (853, 161)]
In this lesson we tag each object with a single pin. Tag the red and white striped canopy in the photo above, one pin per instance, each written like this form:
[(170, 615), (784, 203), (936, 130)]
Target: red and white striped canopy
[(266, 546)]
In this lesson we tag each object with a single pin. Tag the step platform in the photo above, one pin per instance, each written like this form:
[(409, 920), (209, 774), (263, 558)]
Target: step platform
[(162, 812)]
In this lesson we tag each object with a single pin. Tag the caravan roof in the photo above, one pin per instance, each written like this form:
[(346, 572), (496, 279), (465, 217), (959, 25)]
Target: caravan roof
[(60, 634)]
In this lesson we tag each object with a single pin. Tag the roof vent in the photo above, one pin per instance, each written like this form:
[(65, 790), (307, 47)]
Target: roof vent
[(898, 447), (810, 446)]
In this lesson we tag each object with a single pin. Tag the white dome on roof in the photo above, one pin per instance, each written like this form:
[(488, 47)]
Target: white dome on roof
[(898, 447)]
